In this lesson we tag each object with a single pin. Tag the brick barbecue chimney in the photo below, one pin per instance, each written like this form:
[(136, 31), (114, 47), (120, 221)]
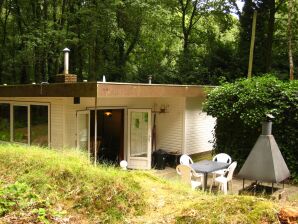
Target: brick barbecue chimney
[(66, 77)]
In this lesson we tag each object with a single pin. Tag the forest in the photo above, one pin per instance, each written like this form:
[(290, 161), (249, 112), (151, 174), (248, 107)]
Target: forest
[(174, 41)]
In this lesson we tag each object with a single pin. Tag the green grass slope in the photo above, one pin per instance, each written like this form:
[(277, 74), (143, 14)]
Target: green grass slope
[(47, 186)]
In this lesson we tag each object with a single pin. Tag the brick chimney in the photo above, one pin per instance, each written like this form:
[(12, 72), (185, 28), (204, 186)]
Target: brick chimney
[(66, 77)]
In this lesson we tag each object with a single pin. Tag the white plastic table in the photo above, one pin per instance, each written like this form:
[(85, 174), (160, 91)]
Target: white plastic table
[(208, 166)]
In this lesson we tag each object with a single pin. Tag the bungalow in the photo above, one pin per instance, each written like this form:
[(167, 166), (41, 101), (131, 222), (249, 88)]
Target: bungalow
[(112, 121)]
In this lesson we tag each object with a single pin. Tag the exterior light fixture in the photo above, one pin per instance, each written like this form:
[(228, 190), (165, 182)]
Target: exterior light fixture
[(108, 114), (123, 165)]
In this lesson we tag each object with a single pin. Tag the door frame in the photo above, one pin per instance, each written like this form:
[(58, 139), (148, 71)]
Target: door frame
[(145, 159), (83, 112), (124, 108)]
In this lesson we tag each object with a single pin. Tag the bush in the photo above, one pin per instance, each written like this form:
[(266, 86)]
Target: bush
[(19, 200), (240, 107)]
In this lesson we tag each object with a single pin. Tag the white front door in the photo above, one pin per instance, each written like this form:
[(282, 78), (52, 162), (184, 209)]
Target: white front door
[(139, 138), (83, 130)]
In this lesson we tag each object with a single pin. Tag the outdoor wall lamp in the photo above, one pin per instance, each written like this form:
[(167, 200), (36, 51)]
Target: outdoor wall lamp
[(108, 114), (163, 108)]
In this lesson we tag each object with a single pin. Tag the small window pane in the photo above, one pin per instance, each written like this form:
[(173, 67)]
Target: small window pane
[(20, 124), (83, 124), (4, 122), (139, 134), (39, 125)]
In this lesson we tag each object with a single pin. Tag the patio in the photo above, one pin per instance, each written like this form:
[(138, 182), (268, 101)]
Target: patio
[(279, 193)]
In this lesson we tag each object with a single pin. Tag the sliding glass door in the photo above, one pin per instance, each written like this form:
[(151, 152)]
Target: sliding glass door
[(39, 130), (4, 122), (25, 123), (20, 124)]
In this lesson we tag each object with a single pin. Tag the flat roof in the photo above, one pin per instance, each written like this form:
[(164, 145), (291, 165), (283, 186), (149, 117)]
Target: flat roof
[(102, 89)]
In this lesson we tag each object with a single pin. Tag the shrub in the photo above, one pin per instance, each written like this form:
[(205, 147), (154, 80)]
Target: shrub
[(19, 200), (240, 107)]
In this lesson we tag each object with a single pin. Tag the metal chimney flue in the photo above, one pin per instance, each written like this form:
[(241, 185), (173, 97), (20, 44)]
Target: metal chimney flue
[(150, 79), (66, 60), (66, 77), (266, 128)]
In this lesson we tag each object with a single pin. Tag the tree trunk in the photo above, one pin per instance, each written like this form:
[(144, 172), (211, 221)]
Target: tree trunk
[(24, 77), (187, 27), (3, 42), (252, 44), (270, 33), (291, 63)]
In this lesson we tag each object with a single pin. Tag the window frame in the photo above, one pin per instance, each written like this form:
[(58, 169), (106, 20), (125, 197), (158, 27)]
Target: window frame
[(27, 104), (28, 123), (5, 102)]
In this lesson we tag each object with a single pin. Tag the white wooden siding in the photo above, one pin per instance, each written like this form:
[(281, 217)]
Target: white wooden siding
[(183, 129), (169, 126), (198, 127), (57, 125)]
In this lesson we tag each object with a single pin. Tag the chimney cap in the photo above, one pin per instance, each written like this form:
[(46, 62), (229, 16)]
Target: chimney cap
[(66, 50), (269, 117)]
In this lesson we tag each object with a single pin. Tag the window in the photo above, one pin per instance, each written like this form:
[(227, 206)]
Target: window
[(22, 119), (20, 124), (139, 134), (39, 125), (4, 122)]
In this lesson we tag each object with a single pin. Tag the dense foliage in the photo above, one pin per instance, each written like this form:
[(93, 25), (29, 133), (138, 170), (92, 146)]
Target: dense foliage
[(241, 107), (19, 200), (175, 41), (271, 49)]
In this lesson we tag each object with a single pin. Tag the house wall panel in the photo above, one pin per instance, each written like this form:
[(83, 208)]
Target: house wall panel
[(57, 125), (198, 127), (174, 134), (169, 126)]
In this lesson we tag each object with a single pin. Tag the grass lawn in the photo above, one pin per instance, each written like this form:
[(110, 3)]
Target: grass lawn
[(48, 186)]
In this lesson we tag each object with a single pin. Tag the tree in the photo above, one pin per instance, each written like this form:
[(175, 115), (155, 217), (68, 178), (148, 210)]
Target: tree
[(4, 15), (291, 64), (189, 17), (264, 32), (130, 19), (176, 41)]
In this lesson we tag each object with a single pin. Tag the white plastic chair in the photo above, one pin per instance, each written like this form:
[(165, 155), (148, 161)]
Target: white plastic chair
[(189, 176), (185, 160), (223, 180), (223, 158)]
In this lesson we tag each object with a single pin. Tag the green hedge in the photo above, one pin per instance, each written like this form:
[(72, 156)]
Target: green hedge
[(240, 107)]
